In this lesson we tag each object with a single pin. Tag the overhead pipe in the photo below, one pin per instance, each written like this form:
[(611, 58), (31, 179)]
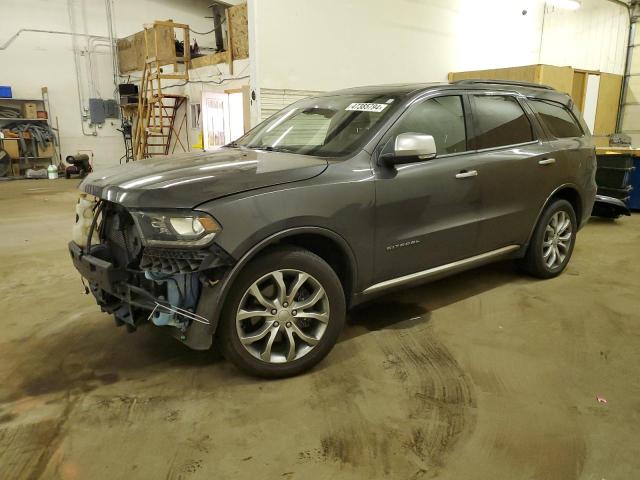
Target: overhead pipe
[(81, 99), (91, 51), (84, 50), (13, 37), (114, 51)]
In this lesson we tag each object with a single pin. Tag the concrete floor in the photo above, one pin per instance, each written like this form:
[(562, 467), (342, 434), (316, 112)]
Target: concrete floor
[(486, 375)]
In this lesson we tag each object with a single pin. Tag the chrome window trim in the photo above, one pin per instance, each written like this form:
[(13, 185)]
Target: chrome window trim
[(508, 147)]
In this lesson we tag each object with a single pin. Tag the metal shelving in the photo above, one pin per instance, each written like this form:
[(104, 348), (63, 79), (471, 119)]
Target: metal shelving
[(26, 160), (20, 119)]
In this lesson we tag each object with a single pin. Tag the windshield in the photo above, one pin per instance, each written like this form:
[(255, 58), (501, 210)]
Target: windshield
[(329, 126)]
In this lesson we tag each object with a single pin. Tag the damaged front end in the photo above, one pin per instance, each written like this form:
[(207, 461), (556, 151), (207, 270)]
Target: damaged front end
[(151, 266)]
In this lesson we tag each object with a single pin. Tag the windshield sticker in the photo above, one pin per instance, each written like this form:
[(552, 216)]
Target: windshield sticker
[(366, 107)]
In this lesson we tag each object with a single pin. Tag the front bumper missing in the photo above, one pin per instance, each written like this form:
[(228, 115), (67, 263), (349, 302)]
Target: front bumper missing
[(94, 269), (132, 304)]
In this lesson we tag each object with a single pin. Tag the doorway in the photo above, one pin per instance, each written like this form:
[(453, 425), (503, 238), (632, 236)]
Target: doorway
[(224, 116)]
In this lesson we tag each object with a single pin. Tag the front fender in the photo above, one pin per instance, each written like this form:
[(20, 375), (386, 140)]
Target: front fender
[(224, 286)]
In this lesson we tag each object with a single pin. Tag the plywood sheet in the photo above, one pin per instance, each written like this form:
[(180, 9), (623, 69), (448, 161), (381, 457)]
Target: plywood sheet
[(600, 142), (579, 89), (527, 73), (131, 50), (560, 78), (239, 28), (211, 59), (608, 102)]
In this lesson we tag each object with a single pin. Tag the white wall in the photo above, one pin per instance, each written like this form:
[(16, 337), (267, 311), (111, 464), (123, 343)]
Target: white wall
[(307, 45), (36, 60), (340, 43), (594, 37)]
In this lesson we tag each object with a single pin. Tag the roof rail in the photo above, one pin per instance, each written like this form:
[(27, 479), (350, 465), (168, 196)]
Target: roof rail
[(473, 81)]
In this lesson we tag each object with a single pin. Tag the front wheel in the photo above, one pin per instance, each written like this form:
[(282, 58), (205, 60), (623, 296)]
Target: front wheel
[(283, 314), (552, 242)]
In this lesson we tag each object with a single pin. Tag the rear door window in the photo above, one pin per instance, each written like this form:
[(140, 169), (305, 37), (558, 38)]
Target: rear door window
[(440, 117), (557, 118), (499, 121)]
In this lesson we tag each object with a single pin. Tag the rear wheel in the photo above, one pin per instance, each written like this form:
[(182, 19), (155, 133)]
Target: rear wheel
[(553, 240), (283, 315)]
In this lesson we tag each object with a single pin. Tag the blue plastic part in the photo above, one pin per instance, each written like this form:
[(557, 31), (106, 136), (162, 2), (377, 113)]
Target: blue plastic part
[(634, 181), (182, 292), (5, 91)]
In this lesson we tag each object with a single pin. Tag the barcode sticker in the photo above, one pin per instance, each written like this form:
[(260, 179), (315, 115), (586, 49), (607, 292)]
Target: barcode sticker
[(366, 107)]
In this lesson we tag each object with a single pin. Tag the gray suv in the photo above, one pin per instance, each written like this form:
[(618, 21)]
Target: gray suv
[(263, 245)]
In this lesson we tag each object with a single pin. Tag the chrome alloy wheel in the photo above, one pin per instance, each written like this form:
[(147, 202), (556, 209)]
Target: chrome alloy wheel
[(557, 239), (282, 316)]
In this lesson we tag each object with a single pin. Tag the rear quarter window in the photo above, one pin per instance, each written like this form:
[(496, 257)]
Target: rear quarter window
[(499, 121), (557, 118)]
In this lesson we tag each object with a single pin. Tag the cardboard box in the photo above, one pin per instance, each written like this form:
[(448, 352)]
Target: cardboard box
[(29, 110), (49, 151), (11, 146)]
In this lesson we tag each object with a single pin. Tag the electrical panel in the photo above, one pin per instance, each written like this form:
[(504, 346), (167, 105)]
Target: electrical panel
[(100, 109), (111, 109), (96, 110)]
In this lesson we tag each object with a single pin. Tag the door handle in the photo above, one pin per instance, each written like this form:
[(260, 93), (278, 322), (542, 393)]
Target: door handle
[(547, 161), (467, 174)]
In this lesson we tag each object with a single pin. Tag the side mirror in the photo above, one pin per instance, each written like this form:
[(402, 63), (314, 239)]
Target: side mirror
[(411, 147)]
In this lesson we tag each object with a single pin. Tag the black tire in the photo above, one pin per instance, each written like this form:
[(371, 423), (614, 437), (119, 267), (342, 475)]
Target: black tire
[(281, 258), (533, 262)]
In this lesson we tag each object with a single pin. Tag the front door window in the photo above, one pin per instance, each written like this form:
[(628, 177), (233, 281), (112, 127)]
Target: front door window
[(440, 117)]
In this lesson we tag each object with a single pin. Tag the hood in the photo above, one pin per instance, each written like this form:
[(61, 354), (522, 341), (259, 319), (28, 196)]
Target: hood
[(187, 180)]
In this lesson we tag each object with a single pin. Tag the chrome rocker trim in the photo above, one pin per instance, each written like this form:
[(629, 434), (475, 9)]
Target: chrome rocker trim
[(442, 269)]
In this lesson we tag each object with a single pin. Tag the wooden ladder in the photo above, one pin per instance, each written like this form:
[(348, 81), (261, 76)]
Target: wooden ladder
[(156, 113)]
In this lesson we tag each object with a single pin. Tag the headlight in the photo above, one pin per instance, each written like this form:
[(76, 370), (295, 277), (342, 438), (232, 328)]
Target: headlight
[(175, 229)]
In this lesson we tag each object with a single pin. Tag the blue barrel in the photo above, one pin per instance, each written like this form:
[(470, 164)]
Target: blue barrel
[(634, 200)]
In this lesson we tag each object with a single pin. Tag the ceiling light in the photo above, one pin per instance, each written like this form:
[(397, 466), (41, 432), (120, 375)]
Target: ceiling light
[(566, 4)]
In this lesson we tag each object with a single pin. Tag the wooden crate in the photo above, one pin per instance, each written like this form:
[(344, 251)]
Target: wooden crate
[(568, 80), (47, 152), (560, 78), (132, 52), (238, 38)]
